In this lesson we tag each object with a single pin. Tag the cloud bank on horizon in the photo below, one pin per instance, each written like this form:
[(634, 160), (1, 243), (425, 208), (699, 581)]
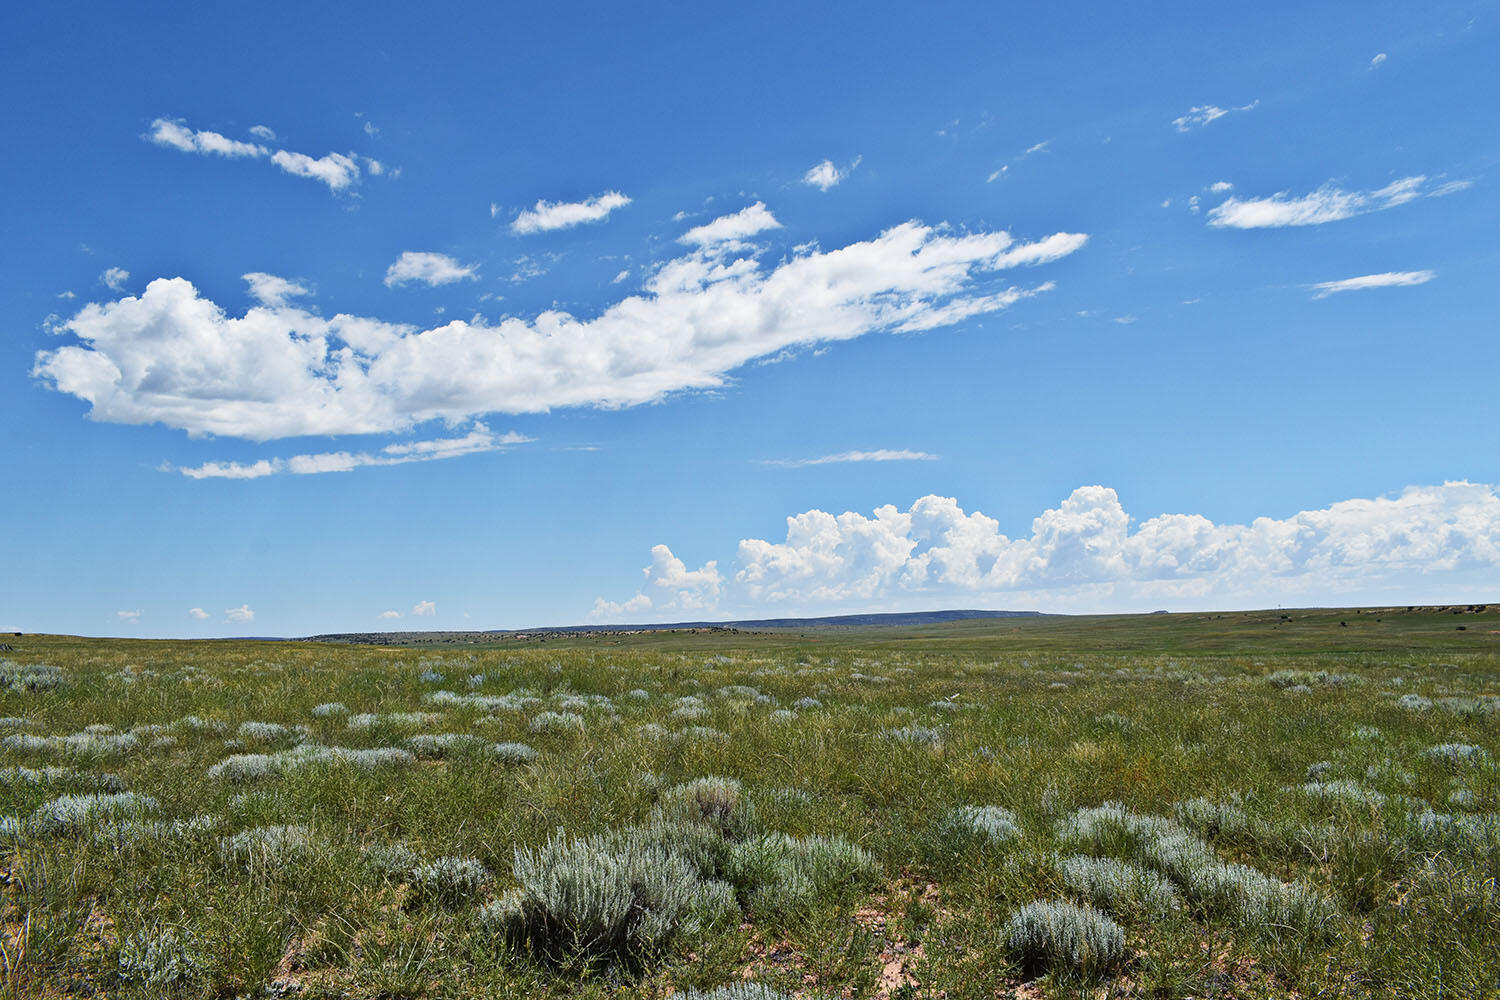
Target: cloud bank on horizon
[(1087, 553)]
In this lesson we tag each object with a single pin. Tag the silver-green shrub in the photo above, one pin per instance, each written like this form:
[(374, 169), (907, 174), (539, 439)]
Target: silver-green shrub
[(1118, 886), (600, 897), (30, 677), (75, 814), (513, 753), (160, 960), (978, 827), (1053, 935), (448, 882), (432, 746)]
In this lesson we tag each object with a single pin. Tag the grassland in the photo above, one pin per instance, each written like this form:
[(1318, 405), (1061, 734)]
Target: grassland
[(1288, 803)]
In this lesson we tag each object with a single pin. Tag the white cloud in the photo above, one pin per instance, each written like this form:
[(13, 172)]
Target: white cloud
[(66, 295), (1327, 204), (337, 170), (878, 455), (1205, 113), (609, 611), (828, 175), (176, 135), (1040, 147), (197, 613), (263, 132), (729, 231), (424, 609), (1219, 187), (239, 615), (171, 356), (272, 291), (390, 614), (1380, 57), (549, 215), (429, 268), (480, 439), (1089, 554), (1389, 279), (334, 169), (128, 616), (114, 278)]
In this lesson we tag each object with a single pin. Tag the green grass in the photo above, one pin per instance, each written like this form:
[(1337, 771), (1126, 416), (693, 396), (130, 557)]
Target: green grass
[(878, 841)]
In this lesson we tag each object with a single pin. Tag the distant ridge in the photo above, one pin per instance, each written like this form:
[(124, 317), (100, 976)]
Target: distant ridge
[(828, 621)]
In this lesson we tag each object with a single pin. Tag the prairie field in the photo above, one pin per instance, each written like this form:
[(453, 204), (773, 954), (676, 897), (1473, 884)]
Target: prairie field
[(1277, 804)]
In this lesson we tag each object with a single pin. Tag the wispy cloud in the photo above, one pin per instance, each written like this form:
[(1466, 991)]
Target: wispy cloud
[(1327, 204), (240, 615), (480, 439), (176, 135), (1380, 57), (729, 231), (128, 616), (424, 609), (827, 174), (339, 171), (1389, 279), (878, 455), (114, 278), (1040, 147), (427, 268), (548, 215), (198, 613), (390, 614), (1203, 114)]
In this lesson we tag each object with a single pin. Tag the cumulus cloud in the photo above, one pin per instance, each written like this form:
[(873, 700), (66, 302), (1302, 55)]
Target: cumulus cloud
[(1088, 553), (878, 455), (827, 174), (1389, 279), (173, 357), (1380, 57), (429, 268), (270, 290), (424, 609), (1203, 114), (338, 171), (549, 215), (670, 586), (1219, 187), (128, 616), (197, 613), (239, 615), (390, 614), (114, 278), (480, 439), (1327, 204)]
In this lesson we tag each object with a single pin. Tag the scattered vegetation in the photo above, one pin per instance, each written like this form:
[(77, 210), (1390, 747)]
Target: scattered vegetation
[(1143, 808)]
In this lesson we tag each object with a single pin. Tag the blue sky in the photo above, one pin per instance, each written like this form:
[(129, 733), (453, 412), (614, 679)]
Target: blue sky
[(377, 317)]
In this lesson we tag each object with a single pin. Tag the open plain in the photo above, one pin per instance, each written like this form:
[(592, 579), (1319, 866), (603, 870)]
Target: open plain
[(1271, 804)]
